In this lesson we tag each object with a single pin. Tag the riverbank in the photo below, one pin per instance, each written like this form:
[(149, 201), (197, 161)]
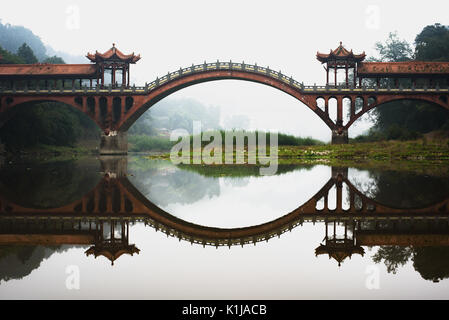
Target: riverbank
[(44, 152), (416, 150)]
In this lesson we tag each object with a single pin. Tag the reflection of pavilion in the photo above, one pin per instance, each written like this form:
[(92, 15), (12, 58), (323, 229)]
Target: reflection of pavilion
[(114, 243), (107, 237), (337, 246), (400, 231)]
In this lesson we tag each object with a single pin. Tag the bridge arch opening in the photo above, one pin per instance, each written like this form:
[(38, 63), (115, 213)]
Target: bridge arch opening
[(211, 76), (332, 105), (346, 109), (103, 102), (91, 105), (321, 103), (259, 107), (405, 118), (379, 186), (47, 122), (359, 101), (116, 108)]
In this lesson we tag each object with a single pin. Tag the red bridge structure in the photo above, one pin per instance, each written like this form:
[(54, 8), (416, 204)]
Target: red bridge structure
[(117, 105)]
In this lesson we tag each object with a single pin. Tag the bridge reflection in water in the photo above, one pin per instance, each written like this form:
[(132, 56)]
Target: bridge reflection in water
[(101, 219)]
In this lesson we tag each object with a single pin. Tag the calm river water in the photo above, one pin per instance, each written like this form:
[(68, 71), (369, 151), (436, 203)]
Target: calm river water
[(136, 228)]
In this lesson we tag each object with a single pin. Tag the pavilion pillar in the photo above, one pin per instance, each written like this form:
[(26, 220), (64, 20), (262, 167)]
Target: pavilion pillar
[(127, 71), (327, 76), (123, 76), (347, 73), (113, 76), (335, 73), (102, 75)]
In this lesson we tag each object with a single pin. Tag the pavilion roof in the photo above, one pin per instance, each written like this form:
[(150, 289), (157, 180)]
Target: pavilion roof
[(113, 54), (339, 251), (112, 252), (341, 53)]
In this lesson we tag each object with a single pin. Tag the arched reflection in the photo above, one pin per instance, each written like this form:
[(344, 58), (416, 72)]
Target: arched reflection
[(99, 220)]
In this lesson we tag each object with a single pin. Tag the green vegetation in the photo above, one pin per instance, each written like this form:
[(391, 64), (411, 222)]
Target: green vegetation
[(26, 54), (13, 37), (144, 143), (409, 119), (51, 124), (52, 128), (393, 132), (9, 58), (418, 150), (172, 114)]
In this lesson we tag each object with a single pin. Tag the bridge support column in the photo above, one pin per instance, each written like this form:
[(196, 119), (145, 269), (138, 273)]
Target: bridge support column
[(340, 138), (114, 143), (114, 166)]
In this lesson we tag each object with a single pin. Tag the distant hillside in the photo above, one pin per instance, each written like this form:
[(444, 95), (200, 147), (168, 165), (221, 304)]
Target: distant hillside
[(13, 37)]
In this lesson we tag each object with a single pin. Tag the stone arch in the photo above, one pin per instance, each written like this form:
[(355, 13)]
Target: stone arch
[(10, 105), (380, 100), (181, 82)]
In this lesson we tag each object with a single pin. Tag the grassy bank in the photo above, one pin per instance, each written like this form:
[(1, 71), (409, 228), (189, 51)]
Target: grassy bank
[(145, 143), (416, 150), (44, 152)]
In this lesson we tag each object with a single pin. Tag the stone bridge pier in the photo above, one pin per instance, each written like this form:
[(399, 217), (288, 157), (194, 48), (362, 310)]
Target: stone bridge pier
[(114, 143), (340, 137)]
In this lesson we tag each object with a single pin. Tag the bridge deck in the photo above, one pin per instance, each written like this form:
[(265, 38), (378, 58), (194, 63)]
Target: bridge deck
[(221, 66)]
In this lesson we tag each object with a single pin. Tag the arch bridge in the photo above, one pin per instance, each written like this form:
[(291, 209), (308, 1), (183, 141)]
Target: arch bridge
[(114, 107)]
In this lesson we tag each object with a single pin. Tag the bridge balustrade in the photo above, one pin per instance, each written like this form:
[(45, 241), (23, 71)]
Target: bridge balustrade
[(266, 71)]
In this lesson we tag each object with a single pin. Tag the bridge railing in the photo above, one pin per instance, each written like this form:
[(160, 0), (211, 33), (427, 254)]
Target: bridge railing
[(220, 66)]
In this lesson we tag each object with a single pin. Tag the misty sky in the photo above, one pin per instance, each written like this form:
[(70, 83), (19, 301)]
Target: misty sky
[(284, 35)]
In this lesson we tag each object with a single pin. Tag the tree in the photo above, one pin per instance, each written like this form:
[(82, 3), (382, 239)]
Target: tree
[(432, 263), (12, 37), (432, 44), (408, 119), (54, 60), (9, 58), (394, 49), (393, 257), (27, 54)]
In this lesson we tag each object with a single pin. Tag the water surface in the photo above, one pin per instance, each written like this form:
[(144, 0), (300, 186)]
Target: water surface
[(56, 216)]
